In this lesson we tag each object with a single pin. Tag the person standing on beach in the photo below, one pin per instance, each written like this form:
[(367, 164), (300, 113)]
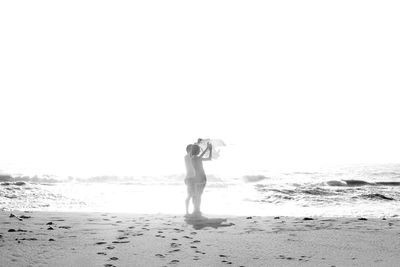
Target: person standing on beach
[(200, 179), (190, 178)]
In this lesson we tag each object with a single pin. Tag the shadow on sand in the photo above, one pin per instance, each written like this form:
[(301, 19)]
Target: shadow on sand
[(200, 222)]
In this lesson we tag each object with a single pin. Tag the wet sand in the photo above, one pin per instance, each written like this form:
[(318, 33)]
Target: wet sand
[(107, 239)]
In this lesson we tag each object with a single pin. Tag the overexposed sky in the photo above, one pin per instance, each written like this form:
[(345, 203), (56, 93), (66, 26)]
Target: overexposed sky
[(120, 87)]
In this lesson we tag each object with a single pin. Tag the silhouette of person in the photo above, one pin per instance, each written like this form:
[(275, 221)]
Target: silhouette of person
[(200, 178), (190, 178)]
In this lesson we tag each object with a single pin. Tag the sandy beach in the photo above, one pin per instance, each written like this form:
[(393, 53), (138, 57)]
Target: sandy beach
[(107, 239)]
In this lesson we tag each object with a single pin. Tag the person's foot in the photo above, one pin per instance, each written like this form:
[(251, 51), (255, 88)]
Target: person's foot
[(197, 214)]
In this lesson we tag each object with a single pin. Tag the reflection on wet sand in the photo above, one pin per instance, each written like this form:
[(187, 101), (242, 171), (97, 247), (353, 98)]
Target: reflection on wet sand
[(200, 222)]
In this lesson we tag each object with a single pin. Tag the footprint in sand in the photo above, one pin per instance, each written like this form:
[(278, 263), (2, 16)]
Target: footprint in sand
[(195, 241), (110, 247), (174, 261), (101, 253), (160, 255), (175, 245), (28, 239), (304, 258), (113, 258), (58, 220), (137, 234), (283, 257), (109, 265), (101, 243), (120, 242)]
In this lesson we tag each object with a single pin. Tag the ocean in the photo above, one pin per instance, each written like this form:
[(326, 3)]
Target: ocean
[(349, 191)]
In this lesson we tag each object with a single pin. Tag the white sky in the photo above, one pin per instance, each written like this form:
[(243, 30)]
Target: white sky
[(120, 87)]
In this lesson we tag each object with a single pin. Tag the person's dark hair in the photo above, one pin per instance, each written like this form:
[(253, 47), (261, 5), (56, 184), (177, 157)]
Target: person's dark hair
[(195, 150), (188, 148)]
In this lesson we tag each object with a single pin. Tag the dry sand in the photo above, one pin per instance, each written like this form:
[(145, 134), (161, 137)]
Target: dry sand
[(106, 239)]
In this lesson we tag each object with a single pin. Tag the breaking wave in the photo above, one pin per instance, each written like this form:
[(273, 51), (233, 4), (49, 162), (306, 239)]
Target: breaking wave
[(361, 183), (370, 191)]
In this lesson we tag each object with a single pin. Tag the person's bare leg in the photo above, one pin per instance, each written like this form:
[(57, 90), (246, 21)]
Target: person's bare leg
[(187, 204), (199, 204), (200, 194), (190, 195), (196, 199)]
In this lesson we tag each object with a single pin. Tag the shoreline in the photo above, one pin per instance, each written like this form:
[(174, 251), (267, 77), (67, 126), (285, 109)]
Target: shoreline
[(125, 239)]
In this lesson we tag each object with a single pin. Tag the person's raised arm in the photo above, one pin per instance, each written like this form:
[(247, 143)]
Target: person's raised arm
[(209, 147)]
